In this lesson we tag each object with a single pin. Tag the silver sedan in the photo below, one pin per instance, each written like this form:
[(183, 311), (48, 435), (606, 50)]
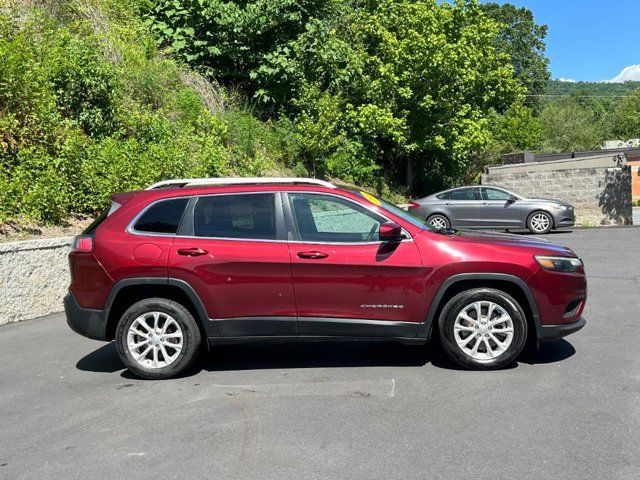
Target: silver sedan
[(492, 207)]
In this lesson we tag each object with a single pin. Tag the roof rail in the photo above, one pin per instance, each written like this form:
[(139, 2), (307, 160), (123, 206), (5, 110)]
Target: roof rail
[(191, 182)]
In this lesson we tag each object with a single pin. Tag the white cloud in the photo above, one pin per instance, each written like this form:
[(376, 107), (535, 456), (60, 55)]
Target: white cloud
[(632, 72), (568, 80)]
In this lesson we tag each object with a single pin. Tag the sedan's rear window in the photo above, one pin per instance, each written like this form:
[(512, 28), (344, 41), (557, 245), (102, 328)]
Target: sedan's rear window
[(162, 217)]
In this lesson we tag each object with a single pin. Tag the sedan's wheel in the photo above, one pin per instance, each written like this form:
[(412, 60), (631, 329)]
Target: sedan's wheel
[(438, 221), (157, 338), (539, 222), (483, 329)]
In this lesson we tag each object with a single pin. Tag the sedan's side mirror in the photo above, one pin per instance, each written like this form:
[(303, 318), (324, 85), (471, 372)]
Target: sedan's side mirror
[(511, 199), (390, 232)]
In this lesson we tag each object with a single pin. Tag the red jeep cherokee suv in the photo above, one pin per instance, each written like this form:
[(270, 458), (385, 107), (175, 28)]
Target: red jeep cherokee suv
[(215, 261)]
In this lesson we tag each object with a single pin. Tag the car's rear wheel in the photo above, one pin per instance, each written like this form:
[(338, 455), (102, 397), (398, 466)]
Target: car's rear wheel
[(483, 329), (540, 222), (438, 221), (157, 338)]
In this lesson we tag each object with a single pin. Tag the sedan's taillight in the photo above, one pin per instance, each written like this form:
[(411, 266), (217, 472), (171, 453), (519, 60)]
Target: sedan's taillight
[(83, 244), (412, 205)]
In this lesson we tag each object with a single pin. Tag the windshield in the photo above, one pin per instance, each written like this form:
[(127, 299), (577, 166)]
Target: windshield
[(400, 212)]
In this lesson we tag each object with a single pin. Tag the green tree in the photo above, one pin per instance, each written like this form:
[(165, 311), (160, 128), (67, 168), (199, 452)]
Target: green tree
[(517, 130), (626, 117), (566, 126), (411, 84), (229, 40), (523, 40)]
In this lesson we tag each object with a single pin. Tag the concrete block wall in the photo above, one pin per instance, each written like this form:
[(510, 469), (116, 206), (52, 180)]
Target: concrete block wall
[(601, 196), (34, 277)]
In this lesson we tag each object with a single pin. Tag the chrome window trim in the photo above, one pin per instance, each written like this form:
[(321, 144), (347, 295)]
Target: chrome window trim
[(133, 231)]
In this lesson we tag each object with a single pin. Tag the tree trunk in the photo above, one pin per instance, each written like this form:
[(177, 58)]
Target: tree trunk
[(409, 178)]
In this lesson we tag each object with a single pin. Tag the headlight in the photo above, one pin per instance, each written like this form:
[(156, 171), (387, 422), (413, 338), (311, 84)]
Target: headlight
[(559, 264), (557, 207)]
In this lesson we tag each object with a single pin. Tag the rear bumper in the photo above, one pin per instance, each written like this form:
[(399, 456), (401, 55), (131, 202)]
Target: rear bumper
[(553, 332), (88, 322)]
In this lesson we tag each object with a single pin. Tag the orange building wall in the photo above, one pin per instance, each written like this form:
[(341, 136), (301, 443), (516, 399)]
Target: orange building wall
[(635, 178)]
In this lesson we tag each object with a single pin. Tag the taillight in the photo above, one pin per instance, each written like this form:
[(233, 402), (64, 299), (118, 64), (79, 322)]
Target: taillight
[(82, 243), (413, 205)]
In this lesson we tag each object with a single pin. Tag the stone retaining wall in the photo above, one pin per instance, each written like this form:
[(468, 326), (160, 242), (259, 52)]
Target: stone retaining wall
[(602, 196), (34, 277)]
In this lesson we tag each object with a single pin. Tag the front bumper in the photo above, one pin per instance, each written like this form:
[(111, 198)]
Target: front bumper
[(553, 332), (564, 218), (88, 322)]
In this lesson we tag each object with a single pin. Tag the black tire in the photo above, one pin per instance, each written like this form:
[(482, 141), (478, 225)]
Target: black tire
[(461, 301), (531, 222), (440, 217), (191, 338)]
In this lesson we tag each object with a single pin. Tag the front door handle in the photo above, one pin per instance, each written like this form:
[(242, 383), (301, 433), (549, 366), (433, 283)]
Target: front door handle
[(313, 255), (192, 252)]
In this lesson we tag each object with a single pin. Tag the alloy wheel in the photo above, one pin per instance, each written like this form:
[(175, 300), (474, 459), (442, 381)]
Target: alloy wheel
[(155, 340), (483, 330), (438, 222), (540, 222)]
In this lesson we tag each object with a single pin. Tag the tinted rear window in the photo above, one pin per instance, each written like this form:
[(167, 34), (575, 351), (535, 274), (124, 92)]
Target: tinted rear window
[(463, 194), (251, 216), (162, 217)]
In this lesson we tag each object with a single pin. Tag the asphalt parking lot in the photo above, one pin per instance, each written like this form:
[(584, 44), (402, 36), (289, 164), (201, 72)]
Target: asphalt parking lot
[(68, 409)]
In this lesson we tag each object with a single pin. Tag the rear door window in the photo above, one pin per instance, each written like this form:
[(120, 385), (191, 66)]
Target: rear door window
[(162, 217), (463, 194), (247, 216)]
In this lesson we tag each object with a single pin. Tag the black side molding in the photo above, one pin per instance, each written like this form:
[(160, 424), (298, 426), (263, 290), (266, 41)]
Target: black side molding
[(554, 332), (210, 328), (426, 327)]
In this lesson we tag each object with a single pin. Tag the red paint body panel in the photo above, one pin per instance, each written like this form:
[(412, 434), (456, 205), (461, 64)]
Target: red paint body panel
[(356, 281), (267, 278), (237, 278)]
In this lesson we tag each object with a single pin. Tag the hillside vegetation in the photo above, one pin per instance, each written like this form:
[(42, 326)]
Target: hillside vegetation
[(403, 97), (601, 89), (89, 106)]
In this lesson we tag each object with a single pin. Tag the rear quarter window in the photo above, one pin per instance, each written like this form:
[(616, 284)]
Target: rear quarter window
[(101, 218), (162, 217)]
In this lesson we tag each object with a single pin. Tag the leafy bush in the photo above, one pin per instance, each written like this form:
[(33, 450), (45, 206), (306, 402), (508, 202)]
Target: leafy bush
[(90, 109)]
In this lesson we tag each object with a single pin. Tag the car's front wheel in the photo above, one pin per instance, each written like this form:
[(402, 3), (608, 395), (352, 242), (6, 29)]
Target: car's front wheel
[(540, 222), (483, 329), (157, 338)]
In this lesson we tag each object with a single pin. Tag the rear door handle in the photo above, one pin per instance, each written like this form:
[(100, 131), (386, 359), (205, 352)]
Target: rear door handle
[(312, 255), (192, 252)]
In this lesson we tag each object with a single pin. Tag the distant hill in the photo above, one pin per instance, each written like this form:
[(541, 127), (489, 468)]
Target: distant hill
[(556, 87)]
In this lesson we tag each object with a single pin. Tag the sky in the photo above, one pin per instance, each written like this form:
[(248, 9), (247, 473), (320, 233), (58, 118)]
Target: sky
[(590, 40)]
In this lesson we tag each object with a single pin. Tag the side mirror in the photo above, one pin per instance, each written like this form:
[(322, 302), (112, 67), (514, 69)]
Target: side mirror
[(390, 232), (511, 199)]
